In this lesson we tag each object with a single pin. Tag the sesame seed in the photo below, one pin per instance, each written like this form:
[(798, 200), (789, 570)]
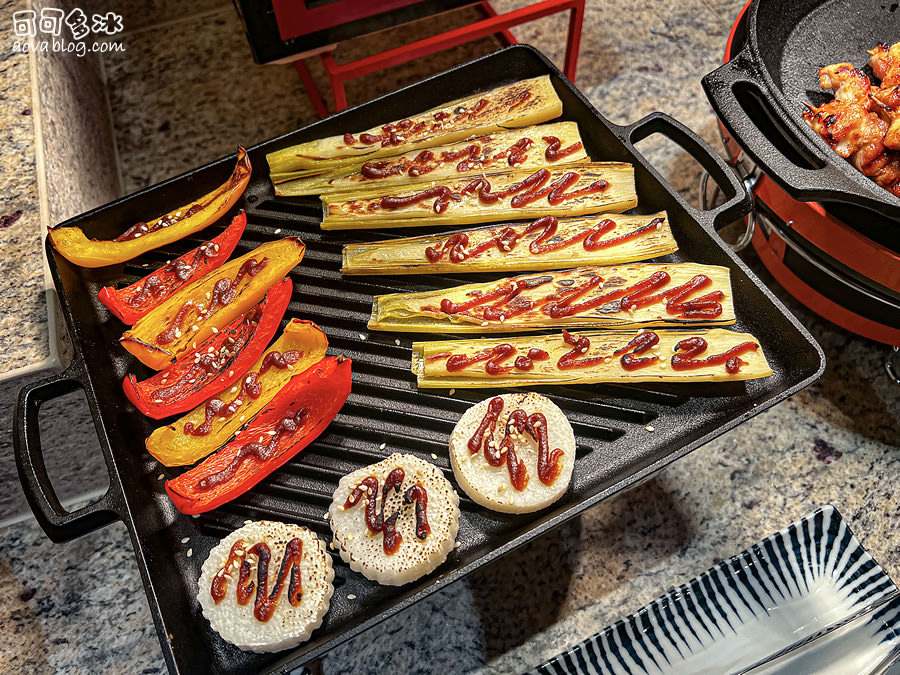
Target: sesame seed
[(382, 446), (351, 596), (452, 391), (190, 552), (362, 337), (242, 418), (278, 231), (649, 428), (326, 514), (433, 456), (185, 540), (196, 515), (457, 545), (234, 390), (230, 373), (484, 323), (161, 476), (215, 330), (397, 342), (331, 545)]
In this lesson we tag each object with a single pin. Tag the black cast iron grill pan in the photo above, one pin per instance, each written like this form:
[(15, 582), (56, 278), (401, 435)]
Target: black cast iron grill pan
[(615, 450), (765, 84)]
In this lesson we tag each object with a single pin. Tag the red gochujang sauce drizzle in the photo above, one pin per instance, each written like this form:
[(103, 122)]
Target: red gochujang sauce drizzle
[(260, 451), (375, 520), (505, 300), (638, 345), (573, 358), (223, 293), (456, 246), (638, 295), (440, 192), (181, 269), (418, 495), (520, 421), (265, 603), (494, 358), (553, 152), (389, 136), (694, 346), (140, 229), (250, 388)]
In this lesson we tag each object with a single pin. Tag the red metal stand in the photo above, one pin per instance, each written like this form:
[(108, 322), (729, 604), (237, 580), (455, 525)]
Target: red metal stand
[(492, 24)]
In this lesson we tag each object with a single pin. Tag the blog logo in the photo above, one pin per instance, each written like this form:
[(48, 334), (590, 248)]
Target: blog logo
[(52, 29)]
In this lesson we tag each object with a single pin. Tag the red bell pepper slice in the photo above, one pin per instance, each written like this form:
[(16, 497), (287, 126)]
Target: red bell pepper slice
[(134, 301), (213, 365), (294, 418)]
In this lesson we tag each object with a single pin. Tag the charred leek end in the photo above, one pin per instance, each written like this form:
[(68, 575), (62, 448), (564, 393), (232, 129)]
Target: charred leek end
[(519, 104), (520, 150), (212, 424), (204, 307), (591, 357), (543, 244), (639, 294), (73, 245), (575, 190)]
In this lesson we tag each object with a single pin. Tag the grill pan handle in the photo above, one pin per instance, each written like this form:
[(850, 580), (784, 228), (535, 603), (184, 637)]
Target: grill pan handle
[(737, 201), (825, 182), (59, 525)]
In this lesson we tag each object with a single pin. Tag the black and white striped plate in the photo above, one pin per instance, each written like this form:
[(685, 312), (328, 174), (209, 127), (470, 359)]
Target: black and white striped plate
[(788, 587)]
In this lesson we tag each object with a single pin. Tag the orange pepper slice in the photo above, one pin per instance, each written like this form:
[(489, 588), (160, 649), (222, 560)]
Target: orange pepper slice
[(210, 303), (73, 244), (184, 441)]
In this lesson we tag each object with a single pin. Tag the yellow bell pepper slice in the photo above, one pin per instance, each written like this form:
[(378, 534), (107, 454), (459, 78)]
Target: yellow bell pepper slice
[(211, 425), (73, 244), (210, 303)]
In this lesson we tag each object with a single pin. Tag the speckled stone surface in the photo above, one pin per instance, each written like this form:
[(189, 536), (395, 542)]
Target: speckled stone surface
[(80, 606), (23, 321)]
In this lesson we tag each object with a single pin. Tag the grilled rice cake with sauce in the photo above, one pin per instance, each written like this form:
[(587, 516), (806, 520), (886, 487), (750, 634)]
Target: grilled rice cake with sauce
[(513, 453), (298, 609), (519, 104), (408, 493)]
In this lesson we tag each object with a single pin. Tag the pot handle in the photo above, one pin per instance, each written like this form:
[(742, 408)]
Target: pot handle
[(59, 525), (824, 182), (737, 200)]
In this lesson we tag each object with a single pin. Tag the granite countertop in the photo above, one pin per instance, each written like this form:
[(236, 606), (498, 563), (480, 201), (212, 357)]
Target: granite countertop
[(80, 606), (23, 321)]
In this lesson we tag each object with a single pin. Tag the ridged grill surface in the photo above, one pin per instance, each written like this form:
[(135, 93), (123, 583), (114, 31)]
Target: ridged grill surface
[(385, 412)]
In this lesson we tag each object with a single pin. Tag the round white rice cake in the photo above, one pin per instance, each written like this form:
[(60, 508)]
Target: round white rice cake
[(490, 486), (289, 625), (364, 550)]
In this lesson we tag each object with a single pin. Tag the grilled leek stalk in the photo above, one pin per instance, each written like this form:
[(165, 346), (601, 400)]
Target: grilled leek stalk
[(639, 294), (588, 358), (503, 151), (575, 190), (545, 244), (519, 104)]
